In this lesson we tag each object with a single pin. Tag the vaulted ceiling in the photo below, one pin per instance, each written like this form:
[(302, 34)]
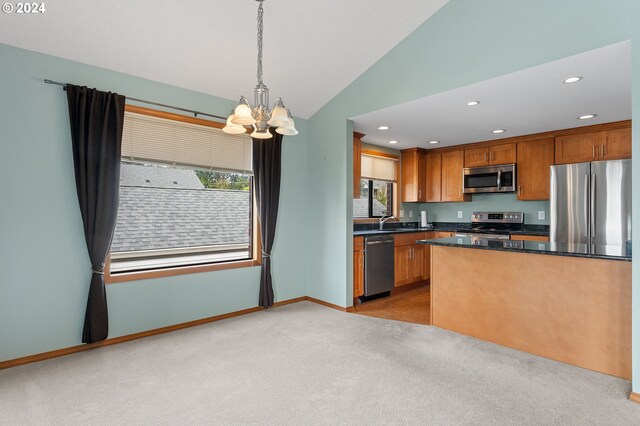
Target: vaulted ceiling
[(312, 50)]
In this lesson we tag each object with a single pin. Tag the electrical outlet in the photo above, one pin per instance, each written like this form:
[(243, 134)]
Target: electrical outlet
[(338, 221), (541, 215), (459, 214), (410, 213), (401, 213)]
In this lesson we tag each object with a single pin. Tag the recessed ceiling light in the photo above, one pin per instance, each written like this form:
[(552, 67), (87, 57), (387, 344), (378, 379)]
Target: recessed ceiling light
[(393, 141), (434, 142), (498, 131), (383, 128), (572, 80), (472, 103), (587, 116)]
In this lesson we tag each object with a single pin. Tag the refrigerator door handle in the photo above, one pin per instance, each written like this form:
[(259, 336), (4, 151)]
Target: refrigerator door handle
[(593, 208), (587, 206)]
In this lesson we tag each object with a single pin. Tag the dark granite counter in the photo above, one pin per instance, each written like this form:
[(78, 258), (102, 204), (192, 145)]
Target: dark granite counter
[(360, 229), (609, 252)]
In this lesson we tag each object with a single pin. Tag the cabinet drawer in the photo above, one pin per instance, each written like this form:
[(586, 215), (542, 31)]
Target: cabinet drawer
[(444, 234), (408, 239), (530, 237)]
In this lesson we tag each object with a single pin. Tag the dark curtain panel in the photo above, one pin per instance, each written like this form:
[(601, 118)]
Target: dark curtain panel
[(96, 120), (266, 176)]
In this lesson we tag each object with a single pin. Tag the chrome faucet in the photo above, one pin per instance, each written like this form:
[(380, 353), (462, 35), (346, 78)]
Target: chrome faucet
[(383, 219)]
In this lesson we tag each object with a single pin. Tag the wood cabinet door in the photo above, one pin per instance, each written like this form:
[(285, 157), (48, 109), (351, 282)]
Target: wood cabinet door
[(452, 162), (476, 157), (534, 160), (358, 273), (502, 154), (420, 263), (434, 177), (358, 266), (616, 144), (577, 148), (401, 265), (357, 161), (413, 184)]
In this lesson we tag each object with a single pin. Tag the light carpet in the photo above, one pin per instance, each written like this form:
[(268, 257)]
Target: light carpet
[(307, 364)]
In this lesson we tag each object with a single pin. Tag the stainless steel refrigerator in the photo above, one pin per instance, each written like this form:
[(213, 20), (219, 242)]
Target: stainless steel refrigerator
[(591, 202)]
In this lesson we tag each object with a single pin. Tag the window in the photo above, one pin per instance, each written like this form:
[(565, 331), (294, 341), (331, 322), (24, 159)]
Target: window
[(376, 199), (377, 187), (186, 197)]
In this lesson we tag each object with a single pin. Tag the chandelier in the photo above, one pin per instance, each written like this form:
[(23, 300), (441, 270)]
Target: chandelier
[(260, 117)]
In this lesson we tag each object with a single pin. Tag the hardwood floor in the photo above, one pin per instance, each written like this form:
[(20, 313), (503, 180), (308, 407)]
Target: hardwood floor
[(405, 305)]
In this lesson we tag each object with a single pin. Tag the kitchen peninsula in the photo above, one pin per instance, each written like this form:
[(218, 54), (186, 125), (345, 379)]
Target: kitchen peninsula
[(567, 302)]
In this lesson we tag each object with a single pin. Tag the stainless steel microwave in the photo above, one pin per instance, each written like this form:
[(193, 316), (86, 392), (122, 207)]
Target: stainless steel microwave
[(501, 178)]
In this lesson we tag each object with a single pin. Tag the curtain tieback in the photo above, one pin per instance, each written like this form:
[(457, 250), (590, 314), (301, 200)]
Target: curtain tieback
[(99, 271), (265, 254)]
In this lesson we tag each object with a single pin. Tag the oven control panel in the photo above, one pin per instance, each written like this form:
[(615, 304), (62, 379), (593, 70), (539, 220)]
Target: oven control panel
[(497, 217)]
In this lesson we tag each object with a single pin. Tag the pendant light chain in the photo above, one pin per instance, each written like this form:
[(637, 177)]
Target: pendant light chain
[(260, 28)]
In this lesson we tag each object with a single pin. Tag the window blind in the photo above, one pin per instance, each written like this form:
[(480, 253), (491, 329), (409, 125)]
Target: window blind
[(378, 168), (162, 140)]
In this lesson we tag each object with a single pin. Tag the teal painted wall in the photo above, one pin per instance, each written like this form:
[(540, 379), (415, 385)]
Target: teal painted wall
[(466, 42), (44, 268), (448, 212)]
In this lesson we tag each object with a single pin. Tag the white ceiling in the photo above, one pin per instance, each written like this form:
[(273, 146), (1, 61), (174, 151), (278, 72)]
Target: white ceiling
[(312, 50), (525, 102)]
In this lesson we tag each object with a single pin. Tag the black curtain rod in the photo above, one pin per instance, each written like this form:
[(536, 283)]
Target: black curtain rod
[(195, 113)]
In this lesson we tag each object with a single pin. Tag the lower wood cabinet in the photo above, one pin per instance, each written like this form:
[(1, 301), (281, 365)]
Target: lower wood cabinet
[(411, 260), (358, 266)]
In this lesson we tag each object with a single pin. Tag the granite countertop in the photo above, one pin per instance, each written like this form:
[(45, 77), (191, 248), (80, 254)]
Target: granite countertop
[(595, 251), (403, 227)]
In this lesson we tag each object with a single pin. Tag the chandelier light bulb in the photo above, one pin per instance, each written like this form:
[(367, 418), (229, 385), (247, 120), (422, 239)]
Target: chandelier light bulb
[(233, 129)]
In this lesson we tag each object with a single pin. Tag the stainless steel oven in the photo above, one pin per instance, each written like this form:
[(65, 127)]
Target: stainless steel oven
[(489, 179)]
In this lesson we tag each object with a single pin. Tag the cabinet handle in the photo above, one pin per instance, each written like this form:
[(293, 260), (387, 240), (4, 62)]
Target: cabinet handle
[(603, 154), (593, 151), (519, 191), (485, 158)]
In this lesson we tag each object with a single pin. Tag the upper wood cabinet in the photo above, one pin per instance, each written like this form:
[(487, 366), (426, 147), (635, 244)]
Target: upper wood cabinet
[(616, 144), (606, 145), (577, 148), (434, 177), (452, 165), (357, 162), (534, 160), (413, 175), (504, 153)]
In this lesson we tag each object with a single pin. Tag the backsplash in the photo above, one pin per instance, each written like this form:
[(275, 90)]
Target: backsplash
[(448, 212)]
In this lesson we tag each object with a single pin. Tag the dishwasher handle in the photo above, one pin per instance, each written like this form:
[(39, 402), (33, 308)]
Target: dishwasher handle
[(379, 242)]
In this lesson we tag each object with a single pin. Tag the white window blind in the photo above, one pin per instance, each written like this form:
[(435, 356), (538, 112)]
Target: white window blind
[(378, 168), (168, 141)]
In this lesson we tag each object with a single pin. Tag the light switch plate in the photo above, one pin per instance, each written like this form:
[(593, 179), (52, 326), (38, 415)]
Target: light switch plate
[(541, 215), (410, 213), (459, 214), (401, 213)]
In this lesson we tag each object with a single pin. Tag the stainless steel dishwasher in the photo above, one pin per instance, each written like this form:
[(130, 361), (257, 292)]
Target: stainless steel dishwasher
[(378, 265)]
